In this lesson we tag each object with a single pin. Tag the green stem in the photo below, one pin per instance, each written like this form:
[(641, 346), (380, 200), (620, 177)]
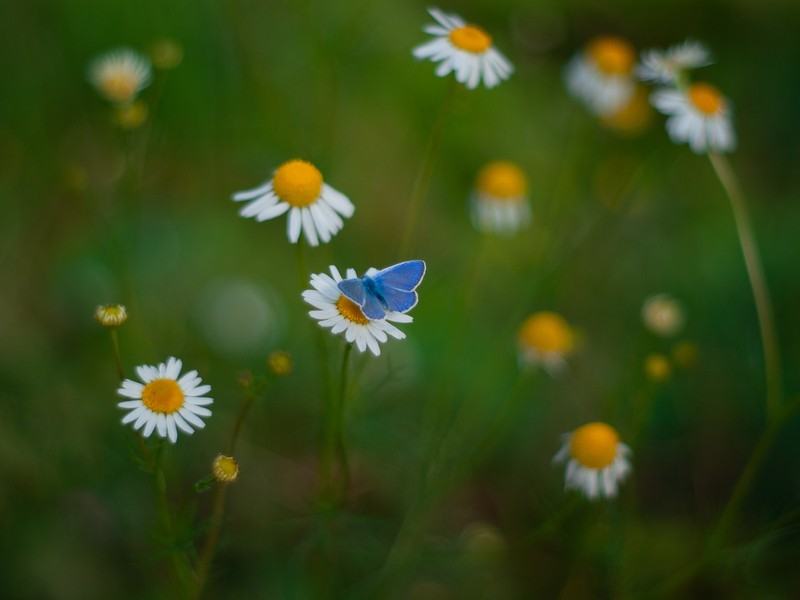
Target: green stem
[(423, 179), (117, 354), (334, 448), (766, 320)]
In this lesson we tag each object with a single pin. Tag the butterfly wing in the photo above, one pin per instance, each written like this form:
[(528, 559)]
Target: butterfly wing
[(404, 276), (353, 289), (399, 300), (372, 307)]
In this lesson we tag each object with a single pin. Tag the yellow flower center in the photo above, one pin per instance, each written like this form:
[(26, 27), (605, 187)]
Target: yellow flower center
[(547, 332), (297, 183), (225, 468), (503, 180), (351, 311), (594, 445), (471, 38), (612, 55), (163, 396), (120, 87), (706, 98)]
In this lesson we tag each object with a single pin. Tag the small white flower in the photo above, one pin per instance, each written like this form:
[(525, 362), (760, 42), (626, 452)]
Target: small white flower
[(464, 49), (667, 66), (119, 75), (699, 115), (601, 75), (598, 460), (499, 201), (163, 402), (663, 315), (297, 188), (337, 312)]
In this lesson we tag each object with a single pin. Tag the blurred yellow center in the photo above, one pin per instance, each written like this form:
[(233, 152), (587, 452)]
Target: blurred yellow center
[(351, 311), (594, 445), (706, 98), (471, 38), (503, 180), (163, 396), (225, 468), (297, 183), (547, 332), (612, 55), (657, 368), (120, 87)]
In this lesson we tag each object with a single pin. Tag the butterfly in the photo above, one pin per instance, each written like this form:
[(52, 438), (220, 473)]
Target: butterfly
[(391, 289)]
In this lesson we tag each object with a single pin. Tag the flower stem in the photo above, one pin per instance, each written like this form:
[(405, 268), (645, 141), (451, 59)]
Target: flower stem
[(334, 448), (766, 320), (117, 355), (423, 179)]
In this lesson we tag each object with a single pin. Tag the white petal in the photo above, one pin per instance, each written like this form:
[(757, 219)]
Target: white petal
[(293, 225)]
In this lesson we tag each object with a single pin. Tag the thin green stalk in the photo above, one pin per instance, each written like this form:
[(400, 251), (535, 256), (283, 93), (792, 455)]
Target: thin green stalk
[(758, 283), (117, 354), (334, 449), (423, 179)]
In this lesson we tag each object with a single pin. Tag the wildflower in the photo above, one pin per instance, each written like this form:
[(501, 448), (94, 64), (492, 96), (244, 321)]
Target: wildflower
[(500, 199), (163, 401), (597, 460), (663, 315), (313, 206), (669, 66), (634, 116), (602, 75), (698, 115), (466, 50), (545, 338), (119, 75), (657, 368), (337, 312), (166, 54), (225, 469), (131, 116), (111, 315), (280, 362)]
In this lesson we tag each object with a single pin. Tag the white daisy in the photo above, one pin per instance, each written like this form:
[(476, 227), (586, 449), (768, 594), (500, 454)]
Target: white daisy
[(119, 75), (699, 115), (598, 460), (601, 75), (313, 206), (337, 312), (499, 201), (464, 49), (667, 66), (545, 339), (663, 315), (163, 402)]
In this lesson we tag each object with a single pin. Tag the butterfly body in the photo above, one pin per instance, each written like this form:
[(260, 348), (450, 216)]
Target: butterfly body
[(391, 289)]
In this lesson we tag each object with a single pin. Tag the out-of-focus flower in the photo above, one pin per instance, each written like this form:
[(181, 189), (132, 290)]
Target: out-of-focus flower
[(337, 312), (297, 188), (111, 315), (601, 75), (163, 402), (466, 50), (225, 469), (166, 54), (499, 201), (119, 75), (545, 338), (657, 368), (131, 116), (634, 116), (663, 315), (597, 461), (698, 115), (669, 66), (280, 362)]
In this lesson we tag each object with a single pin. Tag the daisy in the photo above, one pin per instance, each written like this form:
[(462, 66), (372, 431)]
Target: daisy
[(336, 311), (699, 115), (545, 339), (111, 315), (598, 461), (119, 75), (297, 187), (601, 75), (499, 201), (668, 66), (466, 50), (663, 315), (163, 402)]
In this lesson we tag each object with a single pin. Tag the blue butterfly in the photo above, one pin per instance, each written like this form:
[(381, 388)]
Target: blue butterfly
[(391, 289)]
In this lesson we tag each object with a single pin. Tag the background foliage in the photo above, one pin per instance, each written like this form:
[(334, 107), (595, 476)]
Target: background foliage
[(92, 214)]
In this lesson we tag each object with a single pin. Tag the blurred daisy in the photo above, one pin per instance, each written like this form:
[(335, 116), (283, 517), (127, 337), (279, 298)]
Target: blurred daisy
[(596, 460), (546, 339), (297, 188), (119, 75), (663, 315), (632, 118), (111, 315), (466, 50), (341, 315), (668, 66), (601, 75), (499, 201), (163, 402), (698, 115)]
